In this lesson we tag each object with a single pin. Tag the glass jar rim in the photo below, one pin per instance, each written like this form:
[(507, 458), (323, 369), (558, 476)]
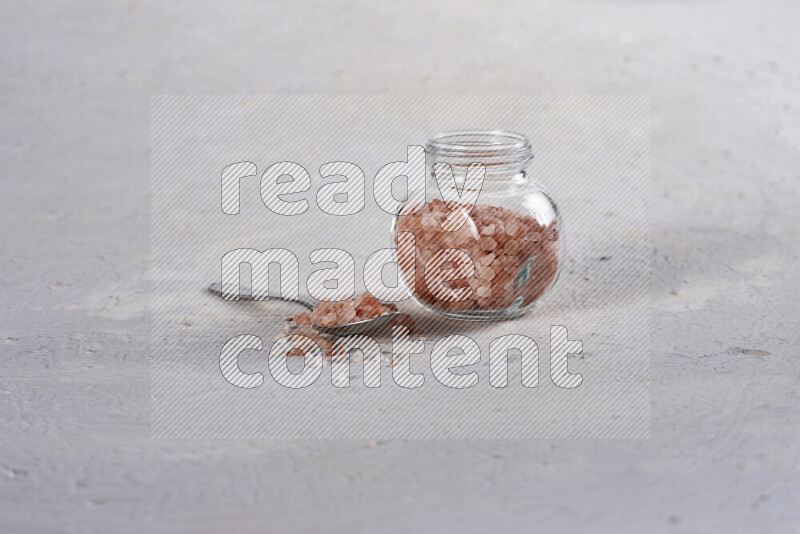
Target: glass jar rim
[(468, 142), (497, 145)]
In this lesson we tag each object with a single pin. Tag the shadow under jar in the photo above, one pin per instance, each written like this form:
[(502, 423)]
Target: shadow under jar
[(512, 234)]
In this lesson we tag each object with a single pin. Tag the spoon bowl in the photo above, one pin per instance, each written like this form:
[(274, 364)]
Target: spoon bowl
[(349, 329)]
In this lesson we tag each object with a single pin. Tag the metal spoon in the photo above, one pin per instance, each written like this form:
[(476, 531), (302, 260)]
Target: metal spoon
[(357, 327)]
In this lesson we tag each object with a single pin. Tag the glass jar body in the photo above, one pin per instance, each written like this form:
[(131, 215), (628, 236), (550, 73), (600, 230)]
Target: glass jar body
[(506, 253)]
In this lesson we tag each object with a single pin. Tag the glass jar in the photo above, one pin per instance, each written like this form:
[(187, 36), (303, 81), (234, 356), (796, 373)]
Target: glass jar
[(512, 234)]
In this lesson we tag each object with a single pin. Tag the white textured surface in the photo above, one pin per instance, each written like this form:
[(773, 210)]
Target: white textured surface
[(75, 453), (593, 157)]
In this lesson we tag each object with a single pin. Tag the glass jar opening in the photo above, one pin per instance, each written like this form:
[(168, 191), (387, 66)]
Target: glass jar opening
[(494, 148)]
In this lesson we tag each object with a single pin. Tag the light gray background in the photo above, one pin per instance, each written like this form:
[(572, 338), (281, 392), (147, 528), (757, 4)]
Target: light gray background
[(593, 158), (75, 452)]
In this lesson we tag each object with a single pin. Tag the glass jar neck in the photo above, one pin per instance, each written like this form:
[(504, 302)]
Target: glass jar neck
[(504, 155)]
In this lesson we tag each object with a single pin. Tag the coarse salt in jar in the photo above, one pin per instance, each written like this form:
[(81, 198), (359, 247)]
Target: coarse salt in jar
[(505, 253)]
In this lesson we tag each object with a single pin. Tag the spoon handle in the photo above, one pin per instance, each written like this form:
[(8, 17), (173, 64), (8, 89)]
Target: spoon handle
[(246, 294)]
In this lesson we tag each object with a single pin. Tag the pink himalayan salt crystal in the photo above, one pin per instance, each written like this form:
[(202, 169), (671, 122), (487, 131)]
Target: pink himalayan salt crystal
[(302, 319), (515, 239), (348, 313), (501, 280), (512, 229), (429, 223), (449, 241), (318, 314), (500, 227), (486, 273), (511, 267), (533, 236), (485, 216), (512, 246), (364, 306), (484, 291), (501, 238), (329, 319)]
